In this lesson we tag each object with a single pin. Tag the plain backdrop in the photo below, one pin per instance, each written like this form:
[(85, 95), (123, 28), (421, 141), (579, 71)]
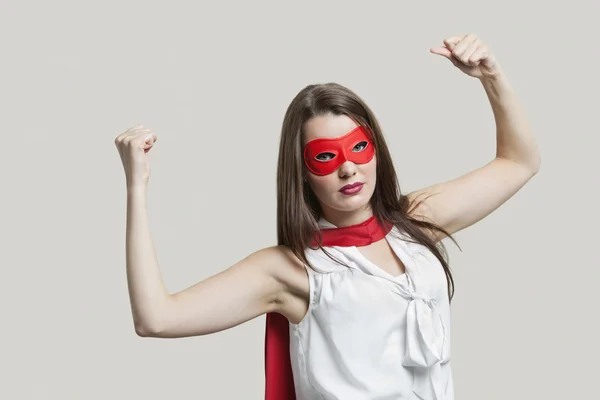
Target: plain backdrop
[(213, 80)]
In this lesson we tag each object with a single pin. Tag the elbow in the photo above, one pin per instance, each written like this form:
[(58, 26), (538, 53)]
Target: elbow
[(151, 322), (143, 332), (146, 330), (536, 163), (535, 167)]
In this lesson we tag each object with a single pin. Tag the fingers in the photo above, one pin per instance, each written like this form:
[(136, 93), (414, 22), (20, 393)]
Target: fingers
[(451, 42), (137, 135), (133, 144), (465, 57), (462, 45), (469, 49), (477, 56)]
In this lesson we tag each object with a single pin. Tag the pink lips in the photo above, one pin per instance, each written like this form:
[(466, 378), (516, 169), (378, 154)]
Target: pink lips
[(352, 188)]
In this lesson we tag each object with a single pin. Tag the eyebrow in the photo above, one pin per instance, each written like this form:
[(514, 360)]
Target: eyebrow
[(337, 137)]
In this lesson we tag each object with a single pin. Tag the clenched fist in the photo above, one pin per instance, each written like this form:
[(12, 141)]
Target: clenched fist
[(134, 145)]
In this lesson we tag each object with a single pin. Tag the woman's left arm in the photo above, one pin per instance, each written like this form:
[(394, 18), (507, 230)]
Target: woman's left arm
[(463, 201)]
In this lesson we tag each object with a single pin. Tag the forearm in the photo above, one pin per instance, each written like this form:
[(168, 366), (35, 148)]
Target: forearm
[(147, 292), (514, 137)]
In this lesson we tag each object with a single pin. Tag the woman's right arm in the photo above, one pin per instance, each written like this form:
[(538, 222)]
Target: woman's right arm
[(269, 280), (251, 287)]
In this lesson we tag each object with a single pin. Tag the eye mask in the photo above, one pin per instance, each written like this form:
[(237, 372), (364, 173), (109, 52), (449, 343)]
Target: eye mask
[(324, 155)]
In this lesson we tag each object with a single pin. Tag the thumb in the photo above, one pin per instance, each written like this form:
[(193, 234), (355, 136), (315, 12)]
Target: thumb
[(441, 50), (444, 52)]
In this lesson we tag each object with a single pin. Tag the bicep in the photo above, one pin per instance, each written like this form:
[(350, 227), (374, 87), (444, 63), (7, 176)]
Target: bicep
[(238, 294), (463, 201)]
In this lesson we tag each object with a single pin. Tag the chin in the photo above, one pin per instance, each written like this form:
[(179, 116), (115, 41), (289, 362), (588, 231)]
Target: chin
[(353, 203)]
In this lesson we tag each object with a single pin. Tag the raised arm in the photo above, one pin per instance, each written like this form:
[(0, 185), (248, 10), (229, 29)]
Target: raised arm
[(268, 280), (463, 201), (253, 286)]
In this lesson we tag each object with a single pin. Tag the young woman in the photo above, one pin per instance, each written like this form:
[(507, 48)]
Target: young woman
[(357, 292)]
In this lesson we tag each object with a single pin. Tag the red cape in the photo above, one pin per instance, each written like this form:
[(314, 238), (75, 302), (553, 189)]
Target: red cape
[(279, 383)]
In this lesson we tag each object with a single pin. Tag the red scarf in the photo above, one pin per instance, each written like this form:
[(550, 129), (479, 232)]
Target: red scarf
[(278, 368)]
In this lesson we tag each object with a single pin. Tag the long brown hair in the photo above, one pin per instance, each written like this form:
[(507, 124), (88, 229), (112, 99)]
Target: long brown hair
[(298, 209)]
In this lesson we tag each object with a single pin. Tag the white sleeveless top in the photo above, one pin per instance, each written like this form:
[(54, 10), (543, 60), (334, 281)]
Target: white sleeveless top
[(369, 335)]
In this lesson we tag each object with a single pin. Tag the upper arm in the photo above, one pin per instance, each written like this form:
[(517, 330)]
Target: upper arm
[(246, 290), (463, 201)]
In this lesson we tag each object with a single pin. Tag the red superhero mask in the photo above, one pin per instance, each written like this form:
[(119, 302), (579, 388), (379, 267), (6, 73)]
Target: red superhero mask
[(324, 155)]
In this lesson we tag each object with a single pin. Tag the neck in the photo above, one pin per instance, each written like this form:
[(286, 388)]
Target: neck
[(347, 218)]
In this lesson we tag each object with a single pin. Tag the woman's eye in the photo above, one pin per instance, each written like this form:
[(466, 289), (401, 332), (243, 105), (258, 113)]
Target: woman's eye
[(360, 146), (324, 156)]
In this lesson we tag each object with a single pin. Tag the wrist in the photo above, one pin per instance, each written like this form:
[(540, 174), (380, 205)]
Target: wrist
[(493, 78), (496, 86), (135, 188)]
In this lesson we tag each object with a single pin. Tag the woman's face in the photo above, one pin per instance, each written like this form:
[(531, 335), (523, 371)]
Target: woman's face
[(328, 187)]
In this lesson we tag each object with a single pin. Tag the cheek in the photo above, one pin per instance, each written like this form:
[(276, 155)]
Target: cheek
[(323, 184), (370, 168), (373, 168)]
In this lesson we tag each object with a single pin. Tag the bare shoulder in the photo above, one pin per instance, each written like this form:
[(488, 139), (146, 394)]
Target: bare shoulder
[(280, 269), (419, 209), (290, 272)]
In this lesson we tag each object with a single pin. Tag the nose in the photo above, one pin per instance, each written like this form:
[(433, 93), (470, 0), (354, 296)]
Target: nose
[(347, 169)]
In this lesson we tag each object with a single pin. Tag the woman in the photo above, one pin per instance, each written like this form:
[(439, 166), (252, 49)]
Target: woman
[(357, 292)]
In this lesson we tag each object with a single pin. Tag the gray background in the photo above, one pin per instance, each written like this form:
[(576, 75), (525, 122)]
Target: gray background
[(213, 81)]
